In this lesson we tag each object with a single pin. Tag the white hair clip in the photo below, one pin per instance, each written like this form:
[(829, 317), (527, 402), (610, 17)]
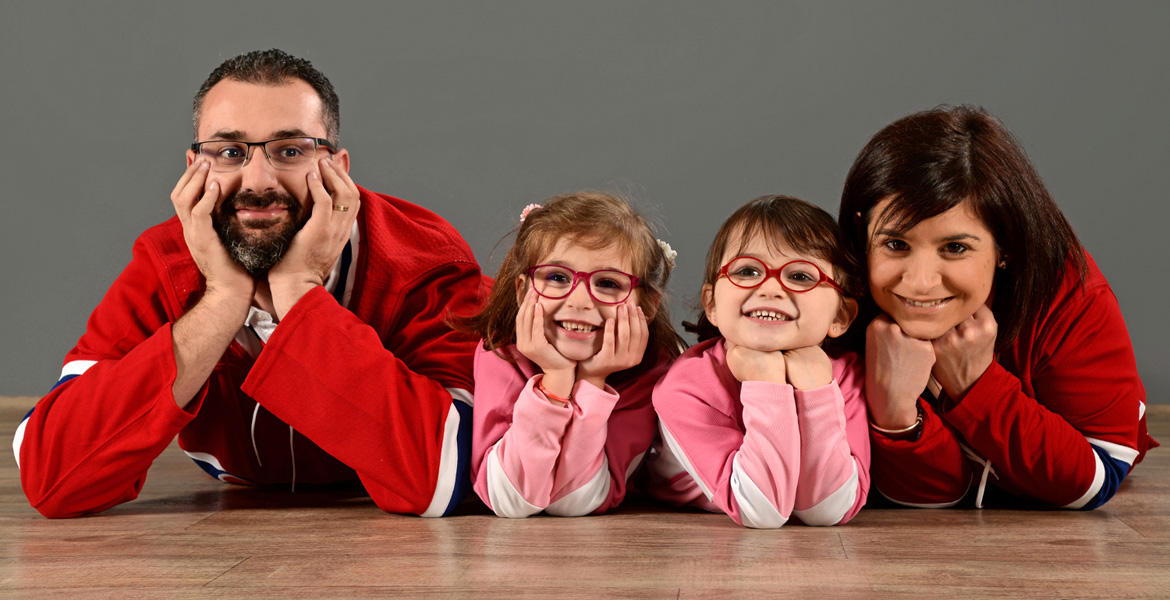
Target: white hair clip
[(668, 252), (528, 209)]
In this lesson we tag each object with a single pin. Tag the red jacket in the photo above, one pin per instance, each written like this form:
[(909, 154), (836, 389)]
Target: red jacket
[(367, 388), (1059, 417)]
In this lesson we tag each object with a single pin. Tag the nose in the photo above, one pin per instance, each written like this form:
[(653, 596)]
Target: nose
[(771, 287), (579, 296), (922, 273), (257, 173)]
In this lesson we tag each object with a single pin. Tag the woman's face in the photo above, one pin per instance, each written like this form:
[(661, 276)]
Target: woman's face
[(935, 275)]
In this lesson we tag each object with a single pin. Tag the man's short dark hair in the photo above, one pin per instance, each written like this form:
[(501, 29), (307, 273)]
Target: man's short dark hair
[(275, 67)]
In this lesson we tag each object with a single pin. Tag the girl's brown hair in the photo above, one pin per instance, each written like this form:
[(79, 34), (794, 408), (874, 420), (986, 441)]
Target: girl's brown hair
[(594, 220), (805, 227), (930, 162)]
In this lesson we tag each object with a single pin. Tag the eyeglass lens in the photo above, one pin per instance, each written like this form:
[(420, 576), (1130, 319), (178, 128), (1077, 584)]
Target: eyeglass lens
[(610, 287), (289, 153), (797, 276)]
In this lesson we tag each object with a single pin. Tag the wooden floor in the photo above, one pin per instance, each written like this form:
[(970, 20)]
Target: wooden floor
[(189, 536)]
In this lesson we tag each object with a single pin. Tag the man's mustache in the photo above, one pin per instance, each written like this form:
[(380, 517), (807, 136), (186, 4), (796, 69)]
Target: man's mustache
[(250, 199)]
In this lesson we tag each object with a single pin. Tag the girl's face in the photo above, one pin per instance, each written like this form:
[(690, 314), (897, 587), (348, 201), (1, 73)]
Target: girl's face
[(769, 318), (935, 275), (575, 324)]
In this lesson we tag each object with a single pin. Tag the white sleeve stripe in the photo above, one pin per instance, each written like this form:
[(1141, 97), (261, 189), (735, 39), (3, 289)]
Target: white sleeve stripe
[(1141, 410), (1094, 488), (754, 508), (586, 498), (832, 509), (76, 367), (506, 500), (677, 454), (920, 504), (19, 439), (448, 457), (1117, 451)]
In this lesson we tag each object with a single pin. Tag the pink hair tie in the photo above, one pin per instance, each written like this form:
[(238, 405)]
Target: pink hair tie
[(528, 209)]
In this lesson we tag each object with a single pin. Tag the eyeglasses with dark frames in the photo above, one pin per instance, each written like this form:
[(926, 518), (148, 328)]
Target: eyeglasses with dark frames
[(283, 153), (606, 286), (797, 276)]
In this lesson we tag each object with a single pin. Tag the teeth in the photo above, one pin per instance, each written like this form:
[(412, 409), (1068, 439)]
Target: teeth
[(769, 315), (924, 304), (573, 326)]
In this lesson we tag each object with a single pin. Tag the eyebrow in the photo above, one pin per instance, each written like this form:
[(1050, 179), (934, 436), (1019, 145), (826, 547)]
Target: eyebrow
[(235, 135), (561, 263), (950, 238)]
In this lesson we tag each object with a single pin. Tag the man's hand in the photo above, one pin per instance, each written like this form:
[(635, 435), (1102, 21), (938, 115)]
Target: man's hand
[(315, 248), (756, 365), (559, 372), (897, 369), (194, 205), (201, 335), (622, 347), (963, 353), (808, 368)]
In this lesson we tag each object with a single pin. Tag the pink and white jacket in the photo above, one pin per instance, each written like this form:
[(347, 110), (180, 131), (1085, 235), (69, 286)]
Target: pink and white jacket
[(761, 452), (529, 455)]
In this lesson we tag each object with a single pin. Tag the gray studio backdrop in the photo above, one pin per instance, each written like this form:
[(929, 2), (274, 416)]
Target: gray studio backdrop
[(476, 109)]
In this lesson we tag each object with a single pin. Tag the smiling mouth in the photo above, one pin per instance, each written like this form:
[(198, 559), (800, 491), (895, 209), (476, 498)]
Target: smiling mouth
[(923, 303), (576, 327), (768, 315)]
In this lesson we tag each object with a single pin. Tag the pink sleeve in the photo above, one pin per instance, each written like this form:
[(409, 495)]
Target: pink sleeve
[(834, 448), (516, 437), (740, 443), (609, 433)]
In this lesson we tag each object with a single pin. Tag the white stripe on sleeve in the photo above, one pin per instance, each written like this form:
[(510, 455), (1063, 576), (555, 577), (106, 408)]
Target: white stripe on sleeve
[(505, 498), (586, 498), (754, 508), (448, 457), (832, 509)]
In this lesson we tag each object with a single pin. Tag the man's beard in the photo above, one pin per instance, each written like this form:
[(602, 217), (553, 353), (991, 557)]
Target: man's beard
[(257, 250)]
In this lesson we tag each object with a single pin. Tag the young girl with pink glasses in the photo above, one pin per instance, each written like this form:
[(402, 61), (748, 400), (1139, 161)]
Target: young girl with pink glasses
[(759, 420), (575, 335)]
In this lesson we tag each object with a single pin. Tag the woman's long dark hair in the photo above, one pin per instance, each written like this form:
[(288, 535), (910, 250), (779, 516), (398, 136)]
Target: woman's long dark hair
[(930, 162)]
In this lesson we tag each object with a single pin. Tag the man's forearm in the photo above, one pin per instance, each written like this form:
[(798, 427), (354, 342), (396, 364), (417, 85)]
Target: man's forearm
[(200, 338)]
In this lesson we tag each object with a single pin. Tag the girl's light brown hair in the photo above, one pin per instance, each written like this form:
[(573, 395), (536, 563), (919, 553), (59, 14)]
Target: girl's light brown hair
[(805, 227), (593, 220)]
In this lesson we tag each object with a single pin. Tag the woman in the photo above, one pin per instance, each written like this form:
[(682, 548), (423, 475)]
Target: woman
[(998, 354)]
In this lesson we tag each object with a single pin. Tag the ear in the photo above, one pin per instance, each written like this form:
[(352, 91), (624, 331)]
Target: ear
[(342, 157), (190, 157), (707, 297), (521, 287), (845, 315)]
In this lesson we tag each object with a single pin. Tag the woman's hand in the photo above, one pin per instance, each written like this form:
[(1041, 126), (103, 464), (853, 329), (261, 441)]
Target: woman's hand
[(756, 365), (559, 372), (808, 368), (897, 369), (622, 347), (964, 352)]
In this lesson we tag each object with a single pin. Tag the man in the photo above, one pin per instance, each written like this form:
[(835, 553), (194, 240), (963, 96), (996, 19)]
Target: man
[(288, 325)]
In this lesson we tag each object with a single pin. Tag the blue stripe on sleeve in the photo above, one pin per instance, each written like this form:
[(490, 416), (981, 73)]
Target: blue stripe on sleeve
[(1115, 472), (63, 380), (463, 443)]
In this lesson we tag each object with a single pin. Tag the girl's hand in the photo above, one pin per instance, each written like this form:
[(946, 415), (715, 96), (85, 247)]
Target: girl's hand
[(808, 368), (622, 347), (897, 369), (963, 353), (534, 345), (756, 365)]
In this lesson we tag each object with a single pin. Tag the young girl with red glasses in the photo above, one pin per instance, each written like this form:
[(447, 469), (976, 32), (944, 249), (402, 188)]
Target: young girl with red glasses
[(758, 420), (575, 335)]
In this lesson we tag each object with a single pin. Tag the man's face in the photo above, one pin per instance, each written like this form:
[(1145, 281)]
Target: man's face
[(261, 207)]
